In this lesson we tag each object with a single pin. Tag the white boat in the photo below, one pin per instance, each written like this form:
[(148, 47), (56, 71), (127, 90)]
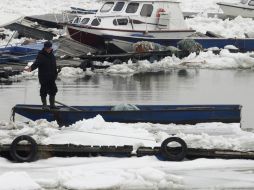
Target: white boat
[(138, 20), (119, 24), (245, 8)]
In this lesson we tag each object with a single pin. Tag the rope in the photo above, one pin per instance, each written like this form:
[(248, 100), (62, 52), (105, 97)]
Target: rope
[(128, 137)]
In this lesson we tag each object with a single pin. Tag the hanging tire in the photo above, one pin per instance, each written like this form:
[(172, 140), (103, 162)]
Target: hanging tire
[(32, 153), (117, 62), (173, 154)]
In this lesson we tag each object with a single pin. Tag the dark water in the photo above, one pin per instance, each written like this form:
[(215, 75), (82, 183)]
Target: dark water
[(171, 87)]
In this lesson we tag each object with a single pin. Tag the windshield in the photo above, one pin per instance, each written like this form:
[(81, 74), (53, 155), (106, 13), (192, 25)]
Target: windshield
[(244, 1), (146, 10), (119, 6), (85, 21), (76, 20), (132, 8), (107, 7)]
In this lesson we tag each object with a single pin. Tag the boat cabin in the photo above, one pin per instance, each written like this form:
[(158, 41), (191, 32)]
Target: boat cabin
[(135, 15)]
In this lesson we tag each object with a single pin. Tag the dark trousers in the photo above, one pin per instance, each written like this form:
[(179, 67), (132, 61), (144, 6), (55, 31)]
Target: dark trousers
[(49, 88)]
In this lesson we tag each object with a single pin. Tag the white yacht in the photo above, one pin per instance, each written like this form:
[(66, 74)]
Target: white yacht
[(244, 8), (124, 22)]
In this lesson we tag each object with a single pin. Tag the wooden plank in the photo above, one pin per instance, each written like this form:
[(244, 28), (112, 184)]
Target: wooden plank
[(86, 150), (217, 153), (73, 48)]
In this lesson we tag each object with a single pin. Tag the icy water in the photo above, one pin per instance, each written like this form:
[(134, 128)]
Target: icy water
[(171, 87)]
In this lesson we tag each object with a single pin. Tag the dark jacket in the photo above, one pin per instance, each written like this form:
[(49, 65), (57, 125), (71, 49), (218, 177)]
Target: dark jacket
[(46, 64)]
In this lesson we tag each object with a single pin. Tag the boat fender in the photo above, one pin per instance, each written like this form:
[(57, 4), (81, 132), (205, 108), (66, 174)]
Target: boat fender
[(159, 11), (31, 155), (178, 155)]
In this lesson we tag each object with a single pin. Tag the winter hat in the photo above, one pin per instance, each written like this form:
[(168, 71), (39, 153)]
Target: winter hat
[(47, 44)]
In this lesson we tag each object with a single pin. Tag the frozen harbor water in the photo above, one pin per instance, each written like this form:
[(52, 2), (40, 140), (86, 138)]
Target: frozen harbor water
[(175, 86)]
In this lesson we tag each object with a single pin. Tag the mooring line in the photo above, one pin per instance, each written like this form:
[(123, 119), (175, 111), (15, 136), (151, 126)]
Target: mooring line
[(128, 137)]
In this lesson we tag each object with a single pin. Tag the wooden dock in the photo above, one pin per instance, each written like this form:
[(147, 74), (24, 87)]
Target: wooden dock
[(32, 151), (67, 150)]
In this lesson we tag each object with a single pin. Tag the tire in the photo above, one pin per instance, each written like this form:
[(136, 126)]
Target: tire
[(153, 58), (84, 64), (169, 156), (32, 154), (117, 62)]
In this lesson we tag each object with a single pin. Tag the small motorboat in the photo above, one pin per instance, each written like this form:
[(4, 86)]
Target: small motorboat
[(22, 53), (140, 20), (119, 24), (164, 114), (245, 8), (17, 54)]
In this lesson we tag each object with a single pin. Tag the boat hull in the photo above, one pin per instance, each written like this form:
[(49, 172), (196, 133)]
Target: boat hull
[(92, 38), (17, 54), (26, 28), (243, 44), (21, 53), (101, 37), (164, 114), (124, 43)]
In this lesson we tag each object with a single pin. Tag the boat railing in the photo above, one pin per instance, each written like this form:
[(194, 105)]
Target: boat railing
[(132, 18), (159, 22), (65, 15)]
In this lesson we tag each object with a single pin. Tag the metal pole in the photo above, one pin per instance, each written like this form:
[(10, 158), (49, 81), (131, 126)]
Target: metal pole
[(75, 109)]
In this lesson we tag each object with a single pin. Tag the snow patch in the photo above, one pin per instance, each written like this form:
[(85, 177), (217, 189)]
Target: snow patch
[(18, 181), (204, 60), (235, 28), (69, 72), (96, 131)]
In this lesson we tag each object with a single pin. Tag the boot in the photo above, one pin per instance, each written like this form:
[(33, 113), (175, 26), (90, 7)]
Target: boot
[(52, 102), (44, 103)]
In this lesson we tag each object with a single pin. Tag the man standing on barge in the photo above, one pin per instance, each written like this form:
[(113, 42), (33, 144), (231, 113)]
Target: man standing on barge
[(47, 74)]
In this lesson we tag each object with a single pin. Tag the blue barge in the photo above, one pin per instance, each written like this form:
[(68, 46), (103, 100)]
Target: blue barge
[(164, 114)]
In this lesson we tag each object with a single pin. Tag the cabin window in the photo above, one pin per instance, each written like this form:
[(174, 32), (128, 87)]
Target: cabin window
[(244, 1), (96, 22), (132, 8), (85, 20), (76, 20), (251, 3), (121, 21), (119, 6), (107, 7), (146, 10)]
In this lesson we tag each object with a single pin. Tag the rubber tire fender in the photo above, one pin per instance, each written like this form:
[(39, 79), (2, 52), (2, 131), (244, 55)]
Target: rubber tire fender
[(31, 156), (173, 157)]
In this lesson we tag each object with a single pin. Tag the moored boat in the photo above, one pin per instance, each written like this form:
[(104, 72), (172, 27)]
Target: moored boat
[(164, 114), (21, 53), (139, 19), (244, 8), (119, 24), (17, 54)]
